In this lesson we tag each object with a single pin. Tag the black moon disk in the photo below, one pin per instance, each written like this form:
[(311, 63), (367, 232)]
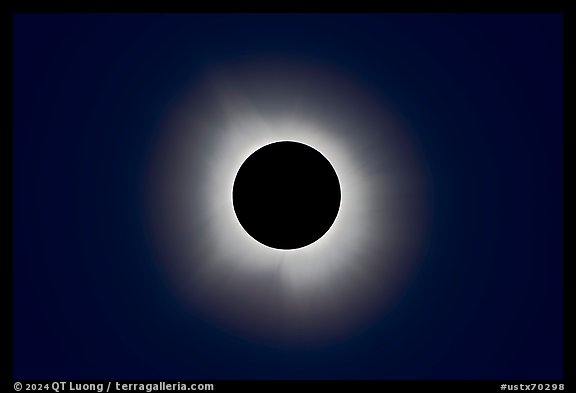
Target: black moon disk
[(286, 195)]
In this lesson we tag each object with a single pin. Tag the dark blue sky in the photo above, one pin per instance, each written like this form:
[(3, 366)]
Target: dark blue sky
[(483, 94)]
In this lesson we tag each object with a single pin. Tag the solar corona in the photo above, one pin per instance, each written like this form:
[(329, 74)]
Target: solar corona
[(287, 202)]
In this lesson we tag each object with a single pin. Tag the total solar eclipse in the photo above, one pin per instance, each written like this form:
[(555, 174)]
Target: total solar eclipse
[(286, 195), (287, 203)]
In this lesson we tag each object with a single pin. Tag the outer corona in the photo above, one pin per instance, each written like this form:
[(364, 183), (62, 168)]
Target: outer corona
[(367, 242)]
